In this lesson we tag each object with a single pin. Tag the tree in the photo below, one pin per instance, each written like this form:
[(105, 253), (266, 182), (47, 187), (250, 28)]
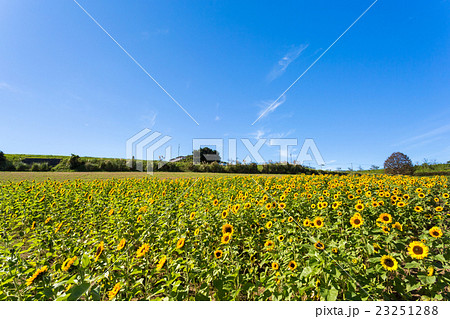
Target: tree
[(206, 155), (374, 167), (75, 162), (2, 157), (398, 163)]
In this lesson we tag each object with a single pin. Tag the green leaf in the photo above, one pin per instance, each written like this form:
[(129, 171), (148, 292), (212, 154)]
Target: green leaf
[(332, 294), (78, 291), (48, 292), (413, 264), (201, 297), (84, 261), (414, 287), (427, 280)]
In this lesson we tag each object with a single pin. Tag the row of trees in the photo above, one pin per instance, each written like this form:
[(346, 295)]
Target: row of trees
[(210, 161)]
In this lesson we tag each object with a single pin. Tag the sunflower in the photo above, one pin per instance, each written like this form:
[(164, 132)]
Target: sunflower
[(421, 195), (121, 244), (389, 263), (192, 216), (359, 207), (430, 271), (401, 204), (356, 221), (281, 205), (386, 218), (418, 250), (263, 215), (226, 238), (385, 229), (275, 266), (292, 265), (319, 245), (339, 213), (318, 222), (227, 229), (436, 232), (215, 202), (376, 247), (99, 251), (439, 209), (68, 263), (218, 254), (180, 243), (418, 209), (32, 225), (196, 232), (142, 250), (269, 225), (268, 206), (334, 250), (398, 226), (281, 238), (38, 272), (269, 244), (445, 195), (290, 219), (224, 214), (114, 291), (306, 222), (161, 262)]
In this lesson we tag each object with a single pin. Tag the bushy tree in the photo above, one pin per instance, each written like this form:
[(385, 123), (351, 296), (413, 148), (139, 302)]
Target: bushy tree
[(206, 155), (75, 162), (2, 157), (398, 163)]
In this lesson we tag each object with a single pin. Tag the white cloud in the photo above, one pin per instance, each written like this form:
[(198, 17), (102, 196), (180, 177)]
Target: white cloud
[(258, 134), (149, 119), (217, 118), (7, 87), (268, 106), (284, 62), (435, 132)]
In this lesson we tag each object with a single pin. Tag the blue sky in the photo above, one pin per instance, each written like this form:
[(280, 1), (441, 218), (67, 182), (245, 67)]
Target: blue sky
[(66, 87)]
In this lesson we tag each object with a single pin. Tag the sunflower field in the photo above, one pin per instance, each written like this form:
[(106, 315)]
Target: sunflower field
[(301, 237)]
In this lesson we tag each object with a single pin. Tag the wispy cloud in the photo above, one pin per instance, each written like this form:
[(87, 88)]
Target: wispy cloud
[(5, 86), (264, 105), (149, 119), (258, 134), (263, 133), (435, 132), (284, 62)]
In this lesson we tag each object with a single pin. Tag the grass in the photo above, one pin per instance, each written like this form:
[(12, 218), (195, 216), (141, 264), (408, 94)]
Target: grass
[(62, 176)]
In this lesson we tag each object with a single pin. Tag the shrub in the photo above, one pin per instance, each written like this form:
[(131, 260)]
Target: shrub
[(75, 162), (398, 163), (20, 166)]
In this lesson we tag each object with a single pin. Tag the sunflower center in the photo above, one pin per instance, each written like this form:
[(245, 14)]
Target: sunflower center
[(417, 250), (319, 222), (435, 233), (389, 262), (357, 222), (385, 218)]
